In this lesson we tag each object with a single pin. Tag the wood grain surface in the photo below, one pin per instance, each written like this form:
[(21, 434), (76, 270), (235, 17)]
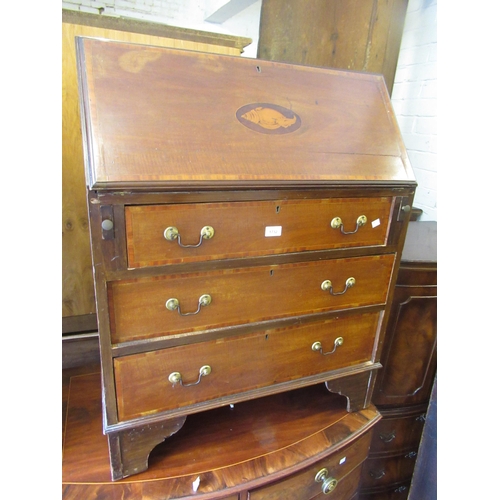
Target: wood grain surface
[(229, 449), (143, 387), (244, 229), (348, 130), (244, 295)]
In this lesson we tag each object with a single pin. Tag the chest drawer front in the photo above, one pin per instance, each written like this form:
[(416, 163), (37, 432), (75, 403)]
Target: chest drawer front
[(239, 364), (246, 229), (386, 471), (138, 309), (344, 466), (345, 489), (392, 435)]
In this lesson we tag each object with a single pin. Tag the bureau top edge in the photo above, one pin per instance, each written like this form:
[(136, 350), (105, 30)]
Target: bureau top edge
[(243, 185)]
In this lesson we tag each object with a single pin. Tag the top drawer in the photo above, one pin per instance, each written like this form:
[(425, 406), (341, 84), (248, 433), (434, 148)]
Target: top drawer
[(245, 229)]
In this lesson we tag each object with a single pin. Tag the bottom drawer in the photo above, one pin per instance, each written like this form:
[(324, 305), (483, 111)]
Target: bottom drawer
[(343, 469), (239, 364), (399, 492), (378, 472)]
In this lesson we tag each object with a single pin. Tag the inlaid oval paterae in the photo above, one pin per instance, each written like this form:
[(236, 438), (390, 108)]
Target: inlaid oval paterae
[(268, 118)]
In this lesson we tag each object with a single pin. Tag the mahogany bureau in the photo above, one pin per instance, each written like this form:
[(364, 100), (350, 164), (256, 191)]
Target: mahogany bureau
[(247, 220)]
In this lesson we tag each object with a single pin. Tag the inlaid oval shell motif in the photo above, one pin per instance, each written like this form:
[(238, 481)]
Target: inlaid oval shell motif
[(268, 118)]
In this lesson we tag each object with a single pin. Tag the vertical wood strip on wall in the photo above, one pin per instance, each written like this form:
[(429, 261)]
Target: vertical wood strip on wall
[(361, 35)]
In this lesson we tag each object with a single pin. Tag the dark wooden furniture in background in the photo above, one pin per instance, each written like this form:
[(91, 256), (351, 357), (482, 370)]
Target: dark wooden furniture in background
[(424, 480), (363, 35), (78, 300), (404, 384), (268, 449)]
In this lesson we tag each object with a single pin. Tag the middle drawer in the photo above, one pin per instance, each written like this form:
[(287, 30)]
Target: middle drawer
[(170, 378), (175, 304)]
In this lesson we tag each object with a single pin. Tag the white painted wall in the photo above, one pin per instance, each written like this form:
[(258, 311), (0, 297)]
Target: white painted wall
[(246, 23), (414, 98)]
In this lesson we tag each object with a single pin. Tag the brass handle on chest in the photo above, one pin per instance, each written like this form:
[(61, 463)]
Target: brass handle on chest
[(318, 347), (173, 304), (327, 285), (172, 233), (337, 223), (329, 483), (176, 377)]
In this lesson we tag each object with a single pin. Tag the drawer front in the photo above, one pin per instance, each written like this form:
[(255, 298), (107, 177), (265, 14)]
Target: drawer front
[(344, 466), (239, 364), (392, 435), (138, 308), (385, 471), (245, 229), (399, 492)]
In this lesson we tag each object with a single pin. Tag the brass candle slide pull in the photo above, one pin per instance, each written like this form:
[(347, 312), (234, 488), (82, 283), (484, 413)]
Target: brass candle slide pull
[(327, 285), (172, 233), (173, 304), (337, 223), (176, 377)]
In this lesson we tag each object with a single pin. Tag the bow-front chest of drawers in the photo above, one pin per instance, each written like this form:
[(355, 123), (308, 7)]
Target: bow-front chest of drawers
[(247, 220)]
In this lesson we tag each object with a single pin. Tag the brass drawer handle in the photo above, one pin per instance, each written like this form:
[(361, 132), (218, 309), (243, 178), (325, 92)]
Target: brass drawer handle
[(173, 304), (318, 347), (337, 223), (327, 285), (172, 233), (176, 377), (387, 438), (329, 483), (377, 474)]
